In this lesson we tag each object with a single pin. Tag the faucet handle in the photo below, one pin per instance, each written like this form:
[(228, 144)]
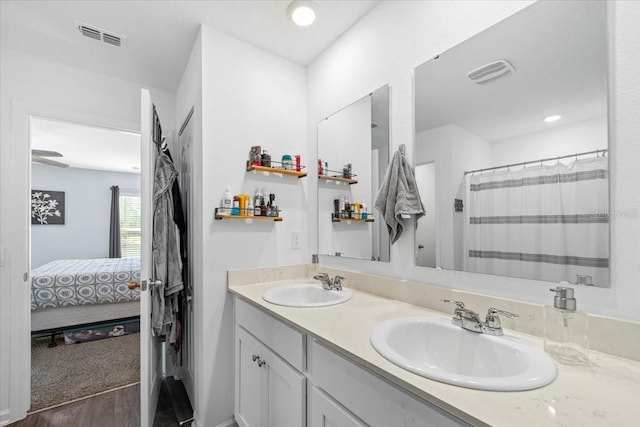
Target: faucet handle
[(493, 311), (337, 282), (321, 276), (459, 304)]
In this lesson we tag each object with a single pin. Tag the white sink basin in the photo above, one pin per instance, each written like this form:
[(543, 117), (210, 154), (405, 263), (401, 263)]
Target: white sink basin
[(306, 295), (435, 348)]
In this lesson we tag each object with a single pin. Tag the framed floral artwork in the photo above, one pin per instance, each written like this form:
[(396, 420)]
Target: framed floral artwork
[(47, 207)]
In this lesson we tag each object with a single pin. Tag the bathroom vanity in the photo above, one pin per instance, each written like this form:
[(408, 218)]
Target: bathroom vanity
[(316, 367)]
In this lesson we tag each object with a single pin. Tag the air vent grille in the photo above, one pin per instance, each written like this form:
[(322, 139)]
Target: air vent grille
[(100, 34), (89, 32), (111, 39), (491, 71)]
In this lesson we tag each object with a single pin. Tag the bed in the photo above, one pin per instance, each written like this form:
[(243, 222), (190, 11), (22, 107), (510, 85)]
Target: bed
[(82, 291)]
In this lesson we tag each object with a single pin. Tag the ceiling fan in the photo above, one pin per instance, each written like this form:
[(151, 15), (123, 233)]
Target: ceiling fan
[(40, 156)]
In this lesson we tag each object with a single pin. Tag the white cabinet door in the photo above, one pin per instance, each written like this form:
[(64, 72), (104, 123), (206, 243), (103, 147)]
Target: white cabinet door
[(325, 412), (248, 380), (268, 391), (284, 392)]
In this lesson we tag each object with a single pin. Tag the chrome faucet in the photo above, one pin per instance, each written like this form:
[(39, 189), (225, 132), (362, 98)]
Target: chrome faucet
[(329, 284), (470, 320)]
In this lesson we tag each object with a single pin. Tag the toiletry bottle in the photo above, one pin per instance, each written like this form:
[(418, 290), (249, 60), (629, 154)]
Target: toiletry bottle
[(363, 209), (287, 161), (257, 202), (244, 199), (336, 208), (236, 206), (341, 207), (566, 331), (266, 159), (320, 171), (298, 164), (271, 210), (250, 210), (227, 201)]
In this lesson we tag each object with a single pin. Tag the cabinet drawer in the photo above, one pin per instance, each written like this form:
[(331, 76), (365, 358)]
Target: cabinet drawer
[(369, 397), (285, 341)]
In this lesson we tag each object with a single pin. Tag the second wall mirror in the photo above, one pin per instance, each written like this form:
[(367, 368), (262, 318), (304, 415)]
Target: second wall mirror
[(353, 154)]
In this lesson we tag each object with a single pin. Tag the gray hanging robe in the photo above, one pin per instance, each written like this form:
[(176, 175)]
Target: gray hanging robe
[(167, 265)]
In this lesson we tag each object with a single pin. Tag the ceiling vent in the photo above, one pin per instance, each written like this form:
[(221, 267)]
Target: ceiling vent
[(99, 34), (491, 71)]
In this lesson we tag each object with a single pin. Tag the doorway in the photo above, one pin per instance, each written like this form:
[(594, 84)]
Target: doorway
[(84, 250), (425, 241)]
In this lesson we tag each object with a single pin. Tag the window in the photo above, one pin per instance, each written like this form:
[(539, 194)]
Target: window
[(130, 225)]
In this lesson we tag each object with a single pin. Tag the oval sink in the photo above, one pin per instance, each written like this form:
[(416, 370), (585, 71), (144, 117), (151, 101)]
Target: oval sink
[(435, 348), (306, 295)]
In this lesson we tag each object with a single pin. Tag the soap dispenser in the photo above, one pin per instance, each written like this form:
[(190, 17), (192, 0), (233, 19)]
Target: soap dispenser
[(566, 330)]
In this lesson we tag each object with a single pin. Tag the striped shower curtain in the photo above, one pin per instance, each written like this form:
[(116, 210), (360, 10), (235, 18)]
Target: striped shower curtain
[(546, 223)]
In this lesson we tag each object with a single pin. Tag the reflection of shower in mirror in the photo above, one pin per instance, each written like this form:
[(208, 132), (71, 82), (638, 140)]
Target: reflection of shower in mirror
[(520, 164)]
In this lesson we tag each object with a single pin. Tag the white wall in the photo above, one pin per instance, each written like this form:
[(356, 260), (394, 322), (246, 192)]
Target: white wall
[(85, 233), (395, 37), (32, 85), (189, 95), (558, 141), (453, 150), (248, 97)]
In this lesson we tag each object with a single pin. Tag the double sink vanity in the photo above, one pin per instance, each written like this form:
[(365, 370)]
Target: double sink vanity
[(359, 354)]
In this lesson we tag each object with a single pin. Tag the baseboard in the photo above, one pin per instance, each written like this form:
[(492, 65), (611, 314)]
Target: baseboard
[(228, 423), (197, 423), (5, 417)]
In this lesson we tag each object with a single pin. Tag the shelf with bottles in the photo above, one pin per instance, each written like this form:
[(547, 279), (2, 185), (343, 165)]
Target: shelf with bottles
[(221, 213), (277, 169), (339, 176), (367, 218), (260, 160)]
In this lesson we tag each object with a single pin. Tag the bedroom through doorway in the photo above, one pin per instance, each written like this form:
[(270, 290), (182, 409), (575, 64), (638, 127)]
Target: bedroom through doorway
[(84, 252)]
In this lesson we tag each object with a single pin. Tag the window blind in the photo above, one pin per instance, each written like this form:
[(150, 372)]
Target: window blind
[(130, 225)]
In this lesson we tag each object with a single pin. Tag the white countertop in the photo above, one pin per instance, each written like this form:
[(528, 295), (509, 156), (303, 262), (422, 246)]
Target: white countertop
[(607, 393)]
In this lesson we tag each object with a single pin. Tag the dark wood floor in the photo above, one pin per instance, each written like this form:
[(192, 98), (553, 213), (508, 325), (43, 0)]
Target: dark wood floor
[(119, 408)]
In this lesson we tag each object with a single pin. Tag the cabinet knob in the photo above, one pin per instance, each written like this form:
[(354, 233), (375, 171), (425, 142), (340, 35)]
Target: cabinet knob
[(261, 363), (255, 357)]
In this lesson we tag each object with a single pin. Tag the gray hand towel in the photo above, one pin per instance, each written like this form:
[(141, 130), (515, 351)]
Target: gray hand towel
[(398, 196)]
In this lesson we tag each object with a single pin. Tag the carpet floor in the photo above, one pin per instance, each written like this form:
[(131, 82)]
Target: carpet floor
[(69, 372)]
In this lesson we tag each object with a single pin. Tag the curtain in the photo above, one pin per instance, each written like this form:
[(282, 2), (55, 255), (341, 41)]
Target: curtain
[(546, 223), (114, 224)]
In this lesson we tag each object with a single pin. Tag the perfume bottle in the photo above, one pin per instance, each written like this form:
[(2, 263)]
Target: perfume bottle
[(566, 330)]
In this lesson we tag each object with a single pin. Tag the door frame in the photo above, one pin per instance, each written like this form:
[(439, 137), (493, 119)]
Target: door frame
[(188, 335), (18, 239)]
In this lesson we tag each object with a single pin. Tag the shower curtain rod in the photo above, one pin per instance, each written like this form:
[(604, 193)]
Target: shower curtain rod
[(596, 152)]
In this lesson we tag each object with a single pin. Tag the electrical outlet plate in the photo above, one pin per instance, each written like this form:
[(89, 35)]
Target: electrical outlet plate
[(296, 240)]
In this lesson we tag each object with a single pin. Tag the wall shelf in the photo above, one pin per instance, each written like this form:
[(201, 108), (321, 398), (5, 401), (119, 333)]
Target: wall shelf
[(352, 219), (349, 181), (282, 171), (219, 216)]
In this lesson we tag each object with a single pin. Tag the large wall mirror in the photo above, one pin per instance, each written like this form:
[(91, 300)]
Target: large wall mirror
[(353, 154), (512, 148)]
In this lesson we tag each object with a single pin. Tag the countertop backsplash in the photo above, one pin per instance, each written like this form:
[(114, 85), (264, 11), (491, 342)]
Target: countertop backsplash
[(625, 342)]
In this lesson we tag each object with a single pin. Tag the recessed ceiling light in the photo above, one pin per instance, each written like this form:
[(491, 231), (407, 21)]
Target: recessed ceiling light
[(302, 12), (553, 118)]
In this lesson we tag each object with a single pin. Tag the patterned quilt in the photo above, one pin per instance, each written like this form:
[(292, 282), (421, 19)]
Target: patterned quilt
[(84, 281)]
